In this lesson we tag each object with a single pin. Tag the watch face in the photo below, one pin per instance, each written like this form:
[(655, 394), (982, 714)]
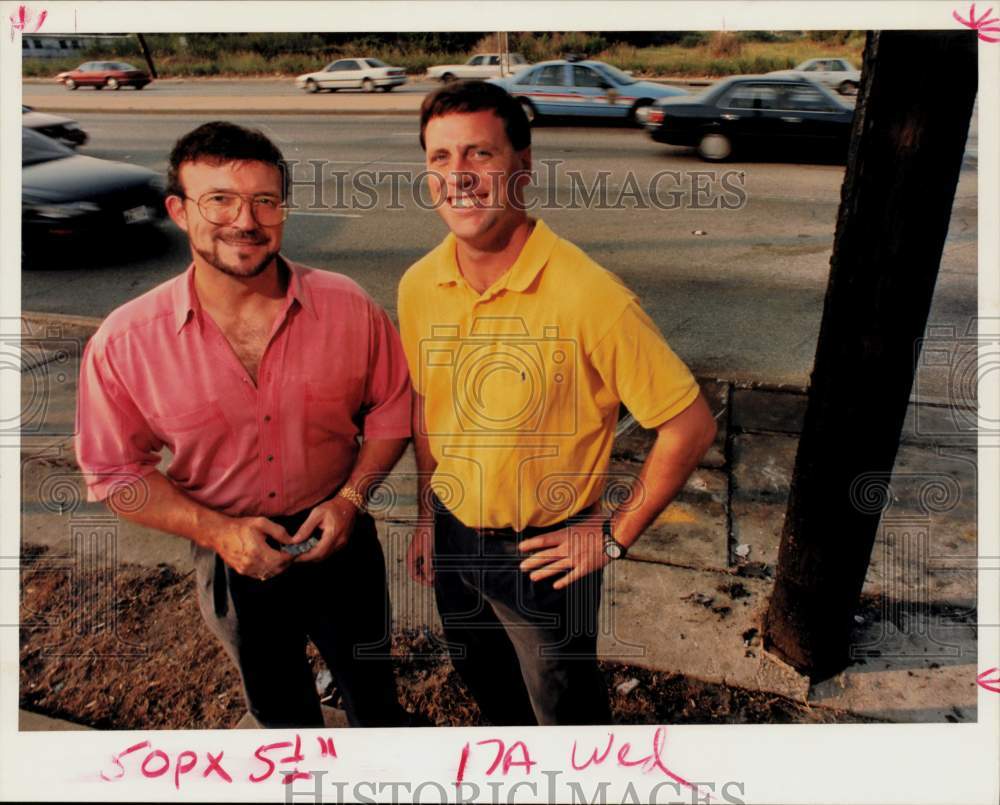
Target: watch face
[(613, 549)]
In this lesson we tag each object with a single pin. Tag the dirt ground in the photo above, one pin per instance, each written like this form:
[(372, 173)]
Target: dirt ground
[(149, 663)]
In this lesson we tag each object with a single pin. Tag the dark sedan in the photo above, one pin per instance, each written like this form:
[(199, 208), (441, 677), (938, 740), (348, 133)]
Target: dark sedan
[(101, 74), (67, 198), (754, 113), (66, 131)]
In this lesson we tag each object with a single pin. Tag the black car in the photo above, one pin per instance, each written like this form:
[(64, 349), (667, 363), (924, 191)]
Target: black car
[(58, 128), (754, 112), (67, 198)]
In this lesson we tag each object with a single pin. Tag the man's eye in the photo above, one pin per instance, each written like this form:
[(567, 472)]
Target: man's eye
[(483, 153), (267, 202), (220, 199)]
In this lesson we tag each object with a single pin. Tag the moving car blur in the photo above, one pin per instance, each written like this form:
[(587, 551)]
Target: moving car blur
[(838, 74), (775, 114), (367, 74), (68, 198), (104, 74), (566, 87), (66, 131), (482, 65)]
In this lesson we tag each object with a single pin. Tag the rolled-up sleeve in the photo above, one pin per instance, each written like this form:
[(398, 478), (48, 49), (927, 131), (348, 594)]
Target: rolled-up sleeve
[(638, 365), (388, 394), (114, 444)]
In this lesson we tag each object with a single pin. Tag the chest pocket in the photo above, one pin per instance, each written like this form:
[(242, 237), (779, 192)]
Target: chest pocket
[(202, 443)]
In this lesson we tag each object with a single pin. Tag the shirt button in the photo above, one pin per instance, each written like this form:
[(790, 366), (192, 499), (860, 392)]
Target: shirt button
[(270, 458), (272, 494), (267, 417)]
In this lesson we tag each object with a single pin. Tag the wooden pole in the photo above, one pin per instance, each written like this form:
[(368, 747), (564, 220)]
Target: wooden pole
[(148, 55), (910, 126)]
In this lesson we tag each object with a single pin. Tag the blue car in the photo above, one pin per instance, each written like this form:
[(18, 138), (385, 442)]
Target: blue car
[(584, 88)]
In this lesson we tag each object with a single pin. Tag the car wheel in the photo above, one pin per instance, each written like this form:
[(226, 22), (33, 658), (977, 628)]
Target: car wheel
[(112, 83), (368, 85), (312, 86), (69, 83), (447, 78), (139, 86), (848, 88), (633, 113), (388, 87), (529, 110), (714, 147)]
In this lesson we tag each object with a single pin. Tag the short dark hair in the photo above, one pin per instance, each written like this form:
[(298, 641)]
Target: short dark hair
[(478, 96), (219, 142)]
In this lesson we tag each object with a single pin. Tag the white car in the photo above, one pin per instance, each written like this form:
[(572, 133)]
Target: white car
[(366, 74), (838, 74), (483, 65)]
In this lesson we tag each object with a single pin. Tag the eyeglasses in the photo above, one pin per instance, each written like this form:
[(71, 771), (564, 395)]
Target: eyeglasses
[(224, 208)]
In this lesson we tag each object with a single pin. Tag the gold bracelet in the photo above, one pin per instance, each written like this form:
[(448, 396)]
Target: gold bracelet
[(354, 496)]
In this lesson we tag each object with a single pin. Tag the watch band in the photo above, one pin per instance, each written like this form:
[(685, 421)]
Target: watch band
[(354, 496)]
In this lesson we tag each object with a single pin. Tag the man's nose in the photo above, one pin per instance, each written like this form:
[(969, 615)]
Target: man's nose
[(245, 219), (464, 179)]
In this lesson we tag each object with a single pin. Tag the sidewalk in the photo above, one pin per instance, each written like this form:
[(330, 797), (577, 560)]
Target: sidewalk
[(690, 597)]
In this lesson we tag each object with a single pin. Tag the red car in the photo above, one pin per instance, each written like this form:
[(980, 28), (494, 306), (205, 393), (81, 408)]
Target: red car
[(101, 74)]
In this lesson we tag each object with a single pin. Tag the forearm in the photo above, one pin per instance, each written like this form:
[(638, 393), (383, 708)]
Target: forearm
[(165, 507), (375, 460), (679, 446)]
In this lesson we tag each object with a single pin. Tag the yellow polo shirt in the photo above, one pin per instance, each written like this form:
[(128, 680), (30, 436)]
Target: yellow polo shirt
[(522, 383)]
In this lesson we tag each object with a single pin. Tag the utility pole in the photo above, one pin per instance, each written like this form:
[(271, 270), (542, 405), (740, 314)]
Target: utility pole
[(910, 126)]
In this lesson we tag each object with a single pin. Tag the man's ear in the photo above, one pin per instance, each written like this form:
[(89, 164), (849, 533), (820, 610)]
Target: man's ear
[(525, 156), (177, 211)]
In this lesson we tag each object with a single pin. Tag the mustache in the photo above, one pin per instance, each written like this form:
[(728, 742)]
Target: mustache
[(251, 235)]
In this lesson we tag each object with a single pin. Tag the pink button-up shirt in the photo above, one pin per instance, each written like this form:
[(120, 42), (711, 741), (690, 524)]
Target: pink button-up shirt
[(160, 373)]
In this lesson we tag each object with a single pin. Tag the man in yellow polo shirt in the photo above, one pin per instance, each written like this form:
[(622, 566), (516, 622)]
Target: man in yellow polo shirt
[(521, 349)]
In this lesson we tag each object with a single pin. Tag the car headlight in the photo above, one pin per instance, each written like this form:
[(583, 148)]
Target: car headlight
[(64, 211)]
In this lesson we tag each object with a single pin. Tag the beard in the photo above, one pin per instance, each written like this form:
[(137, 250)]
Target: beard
[(214, 259)]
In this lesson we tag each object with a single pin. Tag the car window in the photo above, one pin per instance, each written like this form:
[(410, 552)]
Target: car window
[(37, 148), (475, 60), (343, 64), (751, 96), (800, 97), (809, 67), (585, 77), (527, 77), (375, 63), (550, 76), (615, 75)]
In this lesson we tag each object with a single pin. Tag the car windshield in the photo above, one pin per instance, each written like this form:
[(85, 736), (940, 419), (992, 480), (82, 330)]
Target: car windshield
[(36, 148), (122, 66), (616, 75), (376, 63)]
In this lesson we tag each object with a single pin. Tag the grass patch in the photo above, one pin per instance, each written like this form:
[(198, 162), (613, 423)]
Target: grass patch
[(696, 54)]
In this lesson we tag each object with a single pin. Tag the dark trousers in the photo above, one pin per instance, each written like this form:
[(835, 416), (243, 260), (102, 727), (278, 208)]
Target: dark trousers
[(341, 604), (526, 652)]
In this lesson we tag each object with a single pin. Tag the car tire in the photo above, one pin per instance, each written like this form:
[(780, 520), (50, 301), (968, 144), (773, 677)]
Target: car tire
[(139, 86), (368, 85), (848, 88), (70, 84), (388, 87), (447, 78), (529, 110), (312, 86), (714, 147), (633, 113), (112, 83)]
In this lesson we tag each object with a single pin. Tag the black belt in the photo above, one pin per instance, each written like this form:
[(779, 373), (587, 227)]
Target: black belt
[(525, 533)]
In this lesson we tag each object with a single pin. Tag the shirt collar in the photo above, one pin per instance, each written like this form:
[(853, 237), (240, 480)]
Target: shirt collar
[(186, 305), (532, 259)]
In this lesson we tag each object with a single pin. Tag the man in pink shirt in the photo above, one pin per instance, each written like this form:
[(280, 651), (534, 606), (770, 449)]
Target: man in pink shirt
[(282, 394)]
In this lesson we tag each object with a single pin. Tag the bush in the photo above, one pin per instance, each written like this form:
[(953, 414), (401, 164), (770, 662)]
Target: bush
[(725, 43), (693, 39)]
